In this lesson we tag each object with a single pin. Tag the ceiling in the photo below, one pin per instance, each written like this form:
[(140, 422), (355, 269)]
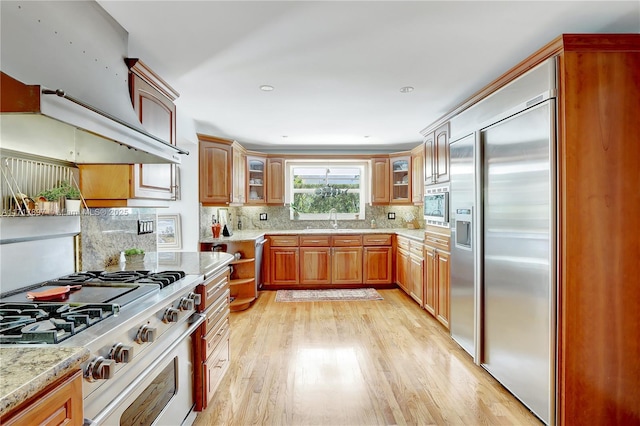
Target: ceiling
[(337, 66)]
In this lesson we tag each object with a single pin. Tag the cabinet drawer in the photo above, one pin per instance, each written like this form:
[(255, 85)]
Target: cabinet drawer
[(416, 248), (315, 241), (346, 240), (214, 368), (437, 240), (403, 243), (217, 311), (212, 290), (376, 240), (214, 337), (284, 240)]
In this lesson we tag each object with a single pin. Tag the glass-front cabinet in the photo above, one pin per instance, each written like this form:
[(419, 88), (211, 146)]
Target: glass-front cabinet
[(256, 179), (400, 180)]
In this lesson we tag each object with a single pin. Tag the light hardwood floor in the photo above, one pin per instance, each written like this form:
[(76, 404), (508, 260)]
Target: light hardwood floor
[(383, 362)]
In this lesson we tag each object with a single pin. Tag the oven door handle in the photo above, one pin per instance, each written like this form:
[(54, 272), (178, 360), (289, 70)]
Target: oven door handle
[(198, 319)]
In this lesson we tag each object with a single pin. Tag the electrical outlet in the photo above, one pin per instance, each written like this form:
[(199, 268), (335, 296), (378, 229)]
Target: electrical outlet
[(263, 216), (145, 227), (391, 216)]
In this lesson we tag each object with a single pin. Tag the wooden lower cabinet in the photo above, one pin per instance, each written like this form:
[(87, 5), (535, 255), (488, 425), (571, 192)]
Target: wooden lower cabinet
[(284, 265), (437, 273), (416, 278), (325, 260), (377, 265), (315, 265), (211, 340), (402, 269), (58, 404), (443, 288), (346, 265)]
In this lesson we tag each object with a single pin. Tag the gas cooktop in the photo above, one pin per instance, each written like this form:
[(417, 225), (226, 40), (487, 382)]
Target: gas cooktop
[(55, 310)]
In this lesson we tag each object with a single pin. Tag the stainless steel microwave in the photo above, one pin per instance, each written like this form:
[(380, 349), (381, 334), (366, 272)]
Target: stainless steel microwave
[(436, 205)]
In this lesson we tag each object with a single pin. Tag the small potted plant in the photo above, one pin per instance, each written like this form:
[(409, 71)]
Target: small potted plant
[(72, 198), (134, 255), (49, 201)]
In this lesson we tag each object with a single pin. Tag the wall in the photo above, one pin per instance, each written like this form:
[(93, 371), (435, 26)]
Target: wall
[(107, 232)]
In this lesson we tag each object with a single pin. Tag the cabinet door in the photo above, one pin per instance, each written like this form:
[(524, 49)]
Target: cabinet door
[(443, 288), (380, 186), (256, 179), (400, 180), (416, 278), (417, 175), (275, 185), (431, 289), (215, 173), (442, 153), (402, 270), (60, 405), (315, 265), (377, 267), (157, 113), (238, 184), (429, 159), (346, 265), (284, 265)]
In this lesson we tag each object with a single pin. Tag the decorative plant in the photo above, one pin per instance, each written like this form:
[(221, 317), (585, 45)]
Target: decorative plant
[(71, 192), (133, 251), (63, 190), (53, 194)]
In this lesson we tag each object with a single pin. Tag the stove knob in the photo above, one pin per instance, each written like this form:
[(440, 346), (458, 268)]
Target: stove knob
[(121, 353), (195, 296), (170, 315), (146, 334), (186, 304), (99, 369)]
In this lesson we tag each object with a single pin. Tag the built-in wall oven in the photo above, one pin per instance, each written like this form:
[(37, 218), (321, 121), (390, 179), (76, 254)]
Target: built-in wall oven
[(436, 206)]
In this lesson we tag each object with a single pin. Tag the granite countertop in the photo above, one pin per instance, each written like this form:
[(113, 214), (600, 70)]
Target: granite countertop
[(26, 370), (192, 262), (247, 235)]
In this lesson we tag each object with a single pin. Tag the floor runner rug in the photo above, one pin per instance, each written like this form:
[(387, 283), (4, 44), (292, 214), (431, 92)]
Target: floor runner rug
[(327, 295)]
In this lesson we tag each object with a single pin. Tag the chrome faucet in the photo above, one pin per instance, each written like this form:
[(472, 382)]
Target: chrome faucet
[(334, 212)]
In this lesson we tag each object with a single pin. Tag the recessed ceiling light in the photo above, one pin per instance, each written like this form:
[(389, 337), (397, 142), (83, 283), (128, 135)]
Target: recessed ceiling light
[(285, 136), (266, 88), (366, 136), (406, 89)]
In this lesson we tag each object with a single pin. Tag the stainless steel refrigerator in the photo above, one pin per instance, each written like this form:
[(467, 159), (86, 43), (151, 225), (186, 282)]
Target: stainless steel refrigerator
[(503, 267)]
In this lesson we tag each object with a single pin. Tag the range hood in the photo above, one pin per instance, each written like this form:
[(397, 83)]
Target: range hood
[(50, 123)]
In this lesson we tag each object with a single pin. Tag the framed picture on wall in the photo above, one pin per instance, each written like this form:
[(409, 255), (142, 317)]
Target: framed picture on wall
[(169, 237)]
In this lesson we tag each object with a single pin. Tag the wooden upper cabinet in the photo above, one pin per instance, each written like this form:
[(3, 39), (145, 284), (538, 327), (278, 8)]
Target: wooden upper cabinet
[(275, 181), (436, 155), (215, 171), (380, 186), (256, 177), (238, 180), (153, 101), (417, 174), (400, 179)]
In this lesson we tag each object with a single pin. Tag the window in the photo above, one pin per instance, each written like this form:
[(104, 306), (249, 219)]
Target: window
[(315, 188)]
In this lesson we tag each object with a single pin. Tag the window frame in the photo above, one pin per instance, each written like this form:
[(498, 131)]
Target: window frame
[(363, 165)]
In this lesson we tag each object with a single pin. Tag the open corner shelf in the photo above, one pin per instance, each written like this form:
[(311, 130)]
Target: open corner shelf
[(240, 304)]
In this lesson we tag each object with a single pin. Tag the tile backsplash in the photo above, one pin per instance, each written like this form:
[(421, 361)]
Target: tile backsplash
[(107, 232), (278, 217)]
